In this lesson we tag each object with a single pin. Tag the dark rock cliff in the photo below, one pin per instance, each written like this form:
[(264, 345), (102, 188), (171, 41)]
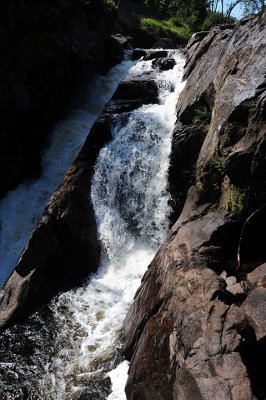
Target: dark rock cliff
[(48, 50), (196, 328)]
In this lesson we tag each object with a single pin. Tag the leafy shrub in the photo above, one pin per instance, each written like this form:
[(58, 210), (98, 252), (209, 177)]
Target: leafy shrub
[(234, 199)]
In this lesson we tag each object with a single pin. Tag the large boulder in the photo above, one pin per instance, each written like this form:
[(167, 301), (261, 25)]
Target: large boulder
[(151, 55), (191, 333), (164, 64), (132, 93), (138, 53)]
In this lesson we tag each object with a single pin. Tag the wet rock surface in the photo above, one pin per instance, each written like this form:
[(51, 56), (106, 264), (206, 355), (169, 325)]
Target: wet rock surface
[(156, 54), (196, 328), (141, 90), (138, 53), (164, 63)]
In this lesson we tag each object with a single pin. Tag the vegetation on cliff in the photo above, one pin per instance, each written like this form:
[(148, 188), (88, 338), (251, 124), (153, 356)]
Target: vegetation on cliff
[(152, 30)]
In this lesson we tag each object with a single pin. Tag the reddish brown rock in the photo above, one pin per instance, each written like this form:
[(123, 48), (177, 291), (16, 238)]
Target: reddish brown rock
[(200, 348), (187, 337), (186, 145)]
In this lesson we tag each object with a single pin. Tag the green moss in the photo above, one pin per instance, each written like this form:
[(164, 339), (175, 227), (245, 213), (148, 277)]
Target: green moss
[(199, 176), (218, 162), (202, 115), (234, 199), (215, 171)]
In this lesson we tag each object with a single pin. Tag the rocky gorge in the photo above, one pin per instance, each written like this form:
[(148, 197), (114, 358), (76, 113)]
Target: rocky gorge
[(196, 328)]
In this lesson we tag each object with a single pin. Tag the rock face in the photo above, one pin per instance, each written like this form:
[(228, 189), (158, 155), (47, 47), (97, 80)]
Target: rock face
[(164, 63), (187, 334), (63, 249), (49, 51)]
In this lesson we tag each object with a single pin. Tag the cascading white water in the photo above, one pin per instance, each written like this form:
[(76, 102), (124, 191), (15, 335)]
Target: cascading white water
[(129, 194), (22, 207)]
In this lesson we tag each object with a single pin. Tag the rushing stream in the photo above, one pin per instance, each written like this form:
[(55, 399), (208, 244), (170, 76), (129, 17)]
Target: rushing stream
[(131, 202), (21, 208)]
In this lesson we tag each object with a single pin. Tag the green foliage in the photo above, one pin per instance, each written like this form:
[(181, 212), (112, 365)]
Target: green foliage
[(196, 15), (215, 18), (166, 28), (192, 12), (179, 27), (202, 115), (215, 170), (218, 162), (199, 177), (234, 199)]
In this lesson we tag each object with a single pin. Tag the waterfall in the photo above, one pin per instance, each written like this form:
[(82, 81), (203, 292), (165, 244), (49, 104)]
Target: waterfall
[(21, 208), (131, 203)]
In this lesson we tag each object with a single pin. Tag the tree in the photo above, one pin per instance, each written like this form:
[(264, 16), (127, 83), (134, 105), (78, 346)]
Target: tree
[(248, 6), (231, 7), (212, 6), (253, 6)]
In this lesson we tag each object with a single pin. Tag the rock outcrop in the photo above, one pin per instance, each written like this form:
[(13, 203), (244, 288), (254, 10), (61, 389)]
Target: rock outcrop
[(164, 63), (132, 93), (197, 326), (49, 51)]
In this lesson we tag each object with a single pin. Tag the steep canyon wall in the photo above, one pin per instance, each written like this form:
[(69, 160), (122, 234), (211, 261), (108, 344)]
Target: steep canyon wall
[(196, 329)]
